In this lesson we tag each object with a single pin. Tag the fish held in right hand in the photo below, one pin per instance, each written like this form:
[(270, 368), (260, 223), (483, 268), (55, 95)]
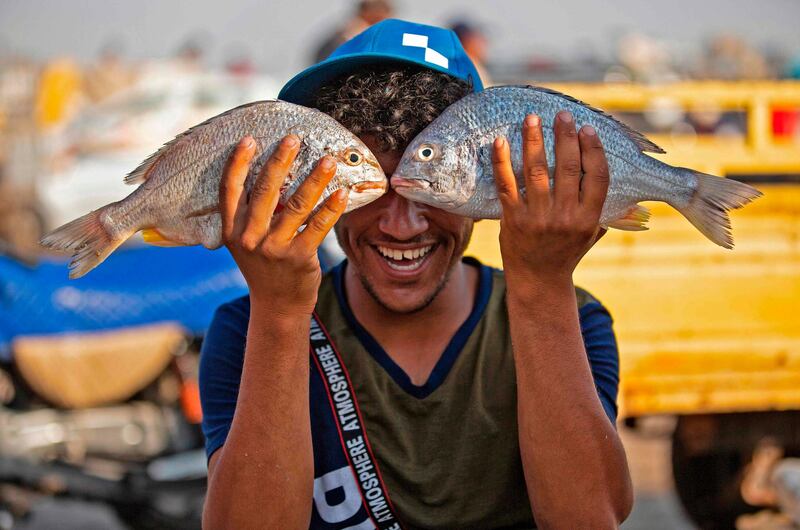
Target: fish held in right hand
[(449, 164), (177, 202)]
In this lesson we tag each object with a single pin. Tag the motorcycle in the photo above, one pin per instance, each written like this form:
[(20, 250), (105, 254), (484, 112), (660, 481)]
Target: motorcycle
[(98, 383), (62, 432)]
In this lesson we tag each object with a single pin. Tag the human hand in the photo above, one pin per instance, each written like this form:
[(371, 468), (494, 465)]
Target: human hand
[(279, 264), (545, 233)]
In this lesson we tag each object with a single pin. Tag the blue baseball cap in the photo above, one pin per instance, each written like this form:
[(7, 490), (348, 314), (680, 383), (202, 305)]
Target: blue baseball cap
[(390, 40)]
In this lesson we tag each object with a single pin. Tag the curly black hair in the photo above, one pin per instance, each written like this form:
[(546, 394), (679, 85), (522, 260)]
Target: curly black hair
[(392, 102)]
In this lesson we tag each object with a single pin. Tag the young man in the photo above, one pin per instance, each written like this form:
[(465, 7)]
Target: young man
[(485, 399)]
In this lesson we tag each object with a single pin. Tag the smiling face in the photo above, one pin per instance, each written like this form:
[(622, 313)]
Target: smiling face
[(402, 251)]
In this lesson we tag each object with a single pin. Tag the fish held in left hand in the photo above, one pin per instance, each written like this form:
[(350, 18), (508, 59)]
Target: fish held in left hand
[(177, 202), (449, 164)]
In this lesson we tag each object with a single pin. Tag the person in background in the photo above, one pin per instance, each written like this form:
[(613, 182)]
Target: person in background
[(729, 56), (239, 63), (110, 74), (191, 54), (793, 68), (475, 44), (367, 13)]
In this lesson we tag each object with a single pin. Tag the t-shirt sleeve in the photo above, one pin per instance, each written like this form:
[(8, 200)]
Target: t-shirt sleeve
[(221, 362), (601, 348)]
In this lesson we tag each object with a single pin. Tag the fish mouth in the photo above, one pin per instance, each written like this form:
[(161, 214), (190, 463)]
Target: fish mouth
[(365, 192), (402, 183), (412, 189), (419, 190), (370, 185)]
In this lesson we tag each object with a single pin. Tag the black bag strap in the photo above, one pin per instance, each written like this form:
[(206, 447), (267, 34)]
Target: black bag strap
[(350, 425)]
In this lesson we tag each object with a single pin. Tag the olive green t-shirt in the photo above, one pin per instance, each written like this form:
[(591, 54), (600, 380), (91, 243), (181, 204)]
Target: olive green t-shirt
[(448, 450)]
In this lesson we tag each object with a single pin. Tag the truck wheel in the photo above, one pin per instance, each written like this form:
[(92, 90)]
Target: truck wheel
[(145, 518), (179, 507), (707, 474), (710, 453)]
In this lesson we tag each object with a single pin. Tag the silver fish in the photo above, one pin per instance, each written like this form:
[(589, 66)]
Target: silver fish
[(178, 200), (449, 164)]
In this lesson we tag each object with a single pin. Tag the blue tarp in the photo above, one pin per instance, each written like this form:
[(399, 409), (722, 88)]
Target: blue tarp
[(133, 286)]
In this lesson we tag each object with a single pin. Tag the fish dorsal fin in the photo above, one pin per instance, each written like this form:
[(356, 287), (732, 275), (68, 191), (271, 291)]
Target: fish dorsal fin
[(141, 173), (641, 141)]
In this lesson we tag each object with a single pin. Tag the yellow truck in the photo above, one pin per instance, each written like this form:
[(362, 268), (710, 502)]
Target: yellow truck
[(708, 335)]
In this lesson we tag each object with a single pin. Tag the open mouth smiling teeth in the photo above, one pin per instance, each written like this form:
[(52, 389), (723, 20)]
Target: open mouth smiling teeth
[(398, 255), (408, 259)]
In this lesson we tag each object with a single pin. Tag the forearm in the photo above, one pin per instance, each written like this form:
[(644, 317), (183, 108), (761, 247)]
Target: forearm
[(574, 463), (263, 476)]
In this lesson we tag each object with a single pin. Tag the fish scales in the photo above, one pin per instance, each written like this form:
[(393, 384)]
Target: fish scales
[(458, 175), (502, 115), (177, 201)]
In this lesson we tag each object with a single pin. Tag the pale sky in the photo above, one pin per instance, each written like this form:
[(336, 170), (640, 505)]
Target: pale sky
[(279, 34)]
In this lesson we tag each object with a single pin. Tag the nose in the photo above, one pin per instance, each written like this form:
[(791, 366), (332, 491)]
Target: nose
[(402, 219)]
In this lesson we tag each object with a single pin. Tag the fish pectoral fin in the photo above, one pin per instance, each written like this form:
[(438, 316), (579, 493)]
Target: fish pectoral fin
[(635, 220), (152, 236)]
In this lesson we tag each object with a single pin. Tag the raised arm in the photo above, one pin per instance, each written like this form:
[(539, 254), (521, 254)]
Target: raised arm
[(262, 477), (574, 463)]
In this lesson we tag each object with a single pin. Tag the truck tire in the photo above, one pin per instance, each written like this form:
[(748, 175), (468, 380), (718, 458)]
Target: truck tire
[(710, 453), (708, 484)]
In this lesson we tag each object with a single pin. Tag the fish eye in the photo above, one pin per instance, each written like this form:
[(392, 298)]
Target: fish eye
[(353, 157), (425, 152)]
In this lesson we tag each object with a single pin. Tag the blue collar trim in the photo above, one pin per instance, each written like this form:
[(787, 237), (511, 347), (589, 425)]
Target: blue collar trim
[(451, 352)]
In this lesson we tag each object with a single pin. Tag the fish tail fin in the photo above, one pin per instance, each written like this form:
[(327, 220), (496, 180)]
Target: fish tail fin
[(87, 239), (714, 197)]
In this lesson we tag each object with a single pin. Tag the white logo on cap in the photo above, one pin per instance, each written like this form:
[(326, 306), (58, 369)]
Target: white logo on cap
[(421, 41)]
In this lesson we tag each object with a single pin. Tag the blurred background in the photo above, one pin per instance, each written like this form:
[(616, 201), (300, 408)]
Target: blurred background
[(99, 411)]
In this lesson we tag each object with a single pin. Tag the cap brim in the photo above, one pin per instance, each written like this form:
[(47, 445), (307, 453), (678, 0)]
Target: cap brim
[(301, 89)]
